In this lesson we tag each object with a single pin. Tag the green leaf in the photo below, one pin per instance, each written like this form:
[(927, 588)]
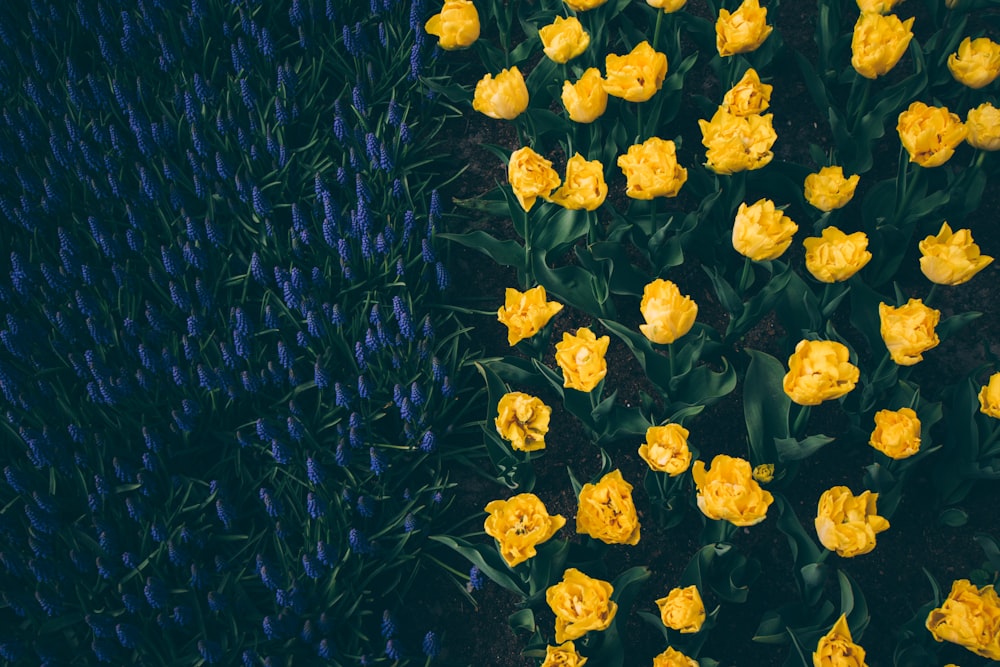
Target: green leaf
[(488, 560), (790, 449), (765, 406), (523, 620), (952, 325), (506, 253), (953, 517)]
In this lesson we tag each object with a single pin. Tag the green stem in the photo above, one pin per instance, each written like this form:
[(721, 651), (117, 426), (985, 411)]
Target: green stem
[(656, 29), (800, 421), (931, 294), (746, 276)]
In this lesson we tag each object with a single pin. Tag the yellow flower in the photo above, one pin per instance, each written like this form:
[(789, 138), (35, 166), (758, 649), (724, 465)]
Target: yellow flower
[(503, 97), (530, 176), (607, 512), (581, 358), (564, 655), (897, 433), (846, 523), (829, 189), (969, 617), (878, 43), (743, 30), (564, 39), (637, 75), (586, 100), (819, 370), (525, 313), (749, 96), (835, 256), (457, 26), (651, 169), (837, 649), (580, 604), (877, 6), (989, 397), (523, 421), (930, 134), (737, 143), (668, 6), (583, 187), (519, 525), (668, 314), (762, 232), (984, 127), (764, 473), (976, 63), (583, 5), (728, 491), (666, 449), (682, 610), (908, 331), (951, 258), (673, 658)]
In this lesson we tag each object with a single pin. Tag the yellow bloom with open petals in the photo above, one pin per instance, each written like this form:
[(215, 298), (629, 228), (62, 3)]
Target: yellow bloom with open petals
[(819, 370), (668, 6), (897, 433), (835, 256), (983, 123), (526, 313), (668, 313), (741, 31), (829, 189), (666, 449), (503, 97), (581, 604), (583, 5), (837, 648), (969, 617), (564, 655), (584, 186), (530, 176), (909, 330), (737, 143), (761, 231), (877, 6), (586, 100), (607, 512), (846, 523), (522, 420), (727, 491), (749, 96), (682, 610), (673, 658), (951, 258), (878, 43), (456, 26), (637, 75), (564, 39), (930, 134), (581, 358), (989, 397), (519, 525), (976, 63), (651, 169)]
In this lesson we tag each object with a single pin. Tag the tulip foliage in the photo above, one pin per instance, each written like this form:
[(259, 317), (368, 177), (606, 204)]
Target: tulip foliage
[(644, 198)]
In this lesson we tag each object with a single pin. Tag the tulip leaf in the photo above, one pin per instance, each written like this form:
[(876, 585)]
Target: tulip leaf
[(523, 619), (488, 560), (805, 552), (949, 326), (853, 604), (953, 517), (790, 449), (765, 406), (572, 284), (507, 252)]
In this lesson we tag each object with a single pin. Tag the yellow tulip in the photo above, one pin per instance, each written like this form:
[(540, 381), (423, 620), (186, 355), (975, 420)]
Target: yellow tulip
[(909, 330), (737, 143), (586, 100), (835, 256), (969, 617), (564, 39), (727, 491), (668, 6), (951, 258), (743, 30), (878, 43), (930, 134), (525, 313), (837, 648), (651, 169), (749, 96), (530, 176), (761, 231), (848, 524), (581, 358), (607, 512), (637, 75), (984, 127), (584, 186), (519, 525), (523, 421), (877, 6), (673, 658), (682, 610), (666, 449), (456, 26), (583, 5), (581, 604), (819, 370), (897, 433), (564, 655), (764, 473), (976, 63), (668, 314), (504, 97), (829, 189), (989, 397)]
